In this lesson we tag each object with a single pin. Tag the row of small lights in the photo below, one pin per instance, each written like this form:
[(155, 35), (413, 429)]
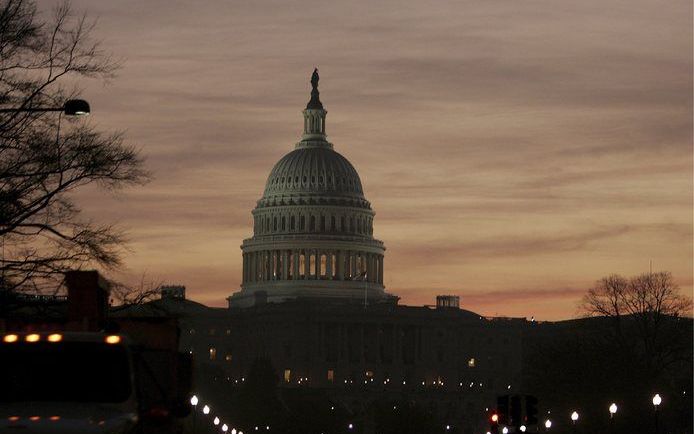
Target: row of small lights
[(216, 421), (53, 337), (657, 400)]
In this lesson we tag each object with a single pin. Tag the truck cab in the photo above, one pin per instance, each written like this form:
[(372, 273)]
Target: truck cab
[(89, 382)]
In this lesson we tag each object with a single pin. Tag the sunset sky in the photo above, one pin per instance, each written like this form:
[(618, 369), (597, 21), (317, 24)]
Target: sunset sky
[(514, 151)]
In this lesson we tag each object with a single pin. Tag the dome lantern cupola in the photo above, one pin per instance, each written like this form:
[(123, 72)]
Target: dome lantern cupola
[(314, 119)]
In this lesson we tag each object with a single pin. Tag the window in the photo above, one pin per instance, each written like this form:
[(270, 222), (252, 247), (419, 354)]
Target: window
[(331, 375), (287, 375), (213, 353), (471, 363)]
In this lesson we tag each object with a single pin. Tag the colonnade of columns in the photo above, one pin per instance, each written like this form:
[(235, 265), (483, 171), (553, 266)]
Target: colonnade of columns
[(312, 264)]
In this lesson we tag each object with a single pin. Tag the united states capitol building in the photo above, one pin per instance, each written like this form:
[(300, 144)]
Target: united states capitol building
[(312, 301)]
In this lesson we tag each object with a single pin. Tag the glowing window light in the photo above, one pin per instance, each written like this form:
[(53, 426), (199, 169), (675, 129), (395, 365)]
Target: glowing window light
[(55, 337), (32, 337), (112, 339)]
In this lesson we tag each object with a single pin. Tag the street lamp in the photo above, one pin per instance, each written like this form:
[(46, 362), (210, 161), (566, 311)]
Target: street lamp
[(548, 424), (206, 410), (522, 428), (504, 430), (574, 419), (613, 409), (194, 403), (72, 107), (225, 427), (656, 403), (216, 421)]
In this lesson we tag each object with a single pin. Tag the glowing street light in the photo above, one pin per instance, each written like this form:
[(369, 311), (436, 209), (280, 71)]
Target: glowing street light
[(216, 421), (548, 424), (613, 409), (574, 417), (522, 428), (194, 401), (504, 430), (225, 427), (656, 402), (206, 409)]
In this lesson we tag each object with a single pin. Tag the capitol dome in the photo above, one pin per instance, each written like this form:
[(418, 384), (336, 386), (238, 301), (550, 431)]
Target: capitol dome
[(313, 172), (313, 228)]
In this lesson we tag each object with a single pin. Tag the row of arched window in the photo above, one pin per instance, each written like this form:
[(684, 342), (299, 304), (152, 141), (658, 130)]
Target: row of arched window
[(321, 223)]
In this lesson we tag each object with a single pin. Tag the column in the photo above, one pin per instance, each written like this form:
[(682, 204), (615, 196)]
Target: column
[(316, 262), (340, 259), (380, 269), (295, 265), (352, 264), (285, 264), (329, 264), (307, 264)]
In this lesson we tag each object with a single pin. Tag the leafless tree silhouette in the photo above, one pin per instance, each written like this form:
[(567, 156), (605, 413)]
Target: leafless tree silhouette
[(41, 166), (643, 307)]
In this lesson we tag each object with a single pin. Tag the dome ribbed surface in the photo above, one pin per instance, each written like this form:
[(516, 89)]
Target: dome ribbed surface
[(313, 171)]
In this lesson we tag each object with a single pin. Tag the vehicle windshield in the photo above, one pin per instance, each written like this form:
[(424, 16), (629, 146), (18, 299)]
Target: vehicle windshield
[(64, 372)]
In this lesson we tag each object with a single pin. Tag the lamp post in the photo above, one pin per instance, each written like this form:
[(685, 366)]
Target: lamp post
[(574, 419), (72, 107), (225, 427), (656, 403), (548, 424), (206, 410), (216, 421), (194, 403), (613, 411)]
